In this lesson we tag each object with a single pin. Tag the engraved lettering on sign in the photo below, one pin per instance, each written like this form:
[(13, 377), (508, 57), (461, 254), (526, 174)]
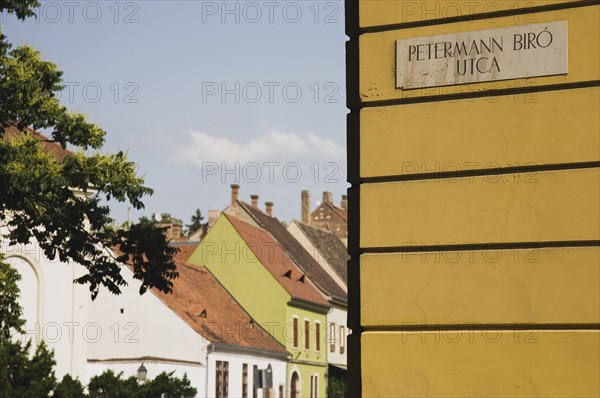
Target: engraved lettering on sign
[(480, 56)]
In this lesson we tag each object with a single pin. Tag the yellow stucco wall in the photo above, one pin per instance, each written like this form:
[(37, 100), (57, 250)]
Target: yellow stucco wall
[(526, 207), (494, 286), (500, 131), (475, 212), (481, 363), (386, 12)]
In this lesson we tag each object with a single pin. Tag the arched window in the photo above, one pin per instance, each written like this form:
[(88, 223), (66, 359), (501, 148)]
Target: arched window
[(295, 386), (30, 288)]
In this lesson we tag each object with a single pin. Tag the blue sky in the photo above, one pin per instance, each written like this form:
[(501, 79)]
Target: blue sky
[(203, 94)]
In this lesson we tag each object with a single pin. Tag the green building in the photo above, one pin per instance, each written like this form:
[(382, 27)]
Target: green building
[(259, 274)]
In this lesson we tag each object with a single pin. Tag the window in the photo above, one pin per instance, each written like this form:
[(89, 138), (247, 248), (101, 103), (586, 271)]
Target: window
[(281, 391), (317, 336), (254, 385), (332, 337), (306, 334), (342, 339), (295, 387), (222, 379), (314, 386), (245, 380), (295, 332)]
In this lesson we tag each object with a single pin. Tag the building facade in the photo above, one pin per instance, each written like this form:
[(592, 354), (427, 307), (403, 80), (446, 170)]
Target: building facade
[(198, 330), (474, 209), (247, 260), (55, 309), (331, 254), (326, 214)]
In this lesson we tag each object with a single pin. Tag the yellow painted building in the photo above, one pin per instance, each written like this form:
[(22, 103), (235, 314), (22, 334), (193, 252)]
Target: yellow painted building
[(474, 211)]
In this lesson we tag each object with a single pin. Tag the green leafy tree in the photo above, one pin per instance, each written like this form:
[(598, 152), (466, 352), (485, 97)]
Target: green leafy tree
[(22, 8), (59, 201), (69, 388), (22, 376), (336, 388), (169, 217), (10, 311), (168, 385), (112, 385), (196, 220)]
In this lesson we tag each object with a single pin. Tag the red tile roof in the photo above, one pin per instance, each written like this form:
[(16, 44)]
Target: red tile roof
[(49, 146), (203, 303), (270, 253), (185, 250), (296, 252)]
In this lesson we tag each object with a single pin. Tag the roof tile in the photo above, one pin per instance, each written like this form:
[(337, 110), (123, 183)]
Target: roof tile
[(49, 146), (203, 303), (271, 255), (296, 252)]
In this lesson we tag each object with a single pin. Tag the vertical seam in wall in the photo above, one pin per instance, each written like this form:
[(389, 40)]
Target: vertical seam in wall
[(353, 103)]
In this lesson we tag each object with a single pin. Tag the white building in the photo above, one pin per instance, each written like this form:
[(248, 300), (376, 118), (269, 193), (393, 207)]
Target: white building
[(54, 308), (136, 330), (331, 254), (199, 330)]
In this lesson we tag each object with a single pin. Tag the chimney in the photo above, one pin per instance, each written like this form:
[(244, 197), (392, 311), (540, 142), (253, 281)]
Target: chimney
[(305, 207), (169, 229), (344, 204), (328, 197), (176, 231), (269, 208), (235, 190), (212, 216), (254, 201)]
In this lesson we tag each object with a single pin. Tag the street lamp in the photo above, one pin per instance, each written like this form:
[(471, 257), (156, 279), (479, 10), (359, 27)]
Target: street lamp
[(141, 373)]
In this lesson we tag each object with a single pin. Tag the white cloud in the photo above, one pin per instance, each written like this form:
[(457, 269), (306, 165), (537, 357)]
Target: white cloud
[(273, 146)]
